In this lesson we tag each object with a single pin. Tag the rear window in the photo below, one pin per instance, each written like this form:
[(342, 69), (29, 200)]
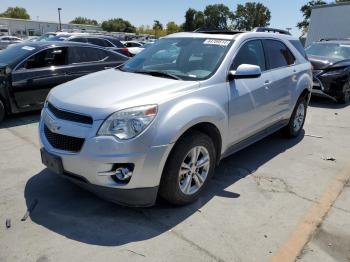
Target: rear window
[(278, 54), (299, 47)]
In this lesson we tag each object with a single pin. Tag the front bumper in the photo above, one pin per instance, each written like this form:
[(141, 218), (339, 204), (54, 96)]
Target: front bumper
[(98, 156)]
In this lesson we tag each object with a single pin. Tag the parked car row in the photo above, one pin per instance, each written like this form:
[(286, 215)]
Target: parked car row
[(29, 70)]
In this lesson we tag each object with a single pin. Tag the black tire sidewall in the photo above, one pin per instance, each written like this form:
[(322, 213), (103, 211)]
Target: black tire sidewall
[(2, 111), (289, 129), (169, 187)]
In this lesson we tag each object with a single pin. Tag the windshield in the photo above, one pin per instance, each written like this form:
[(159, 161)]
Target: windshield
[(331, 50), (15, 53), (185, 58)]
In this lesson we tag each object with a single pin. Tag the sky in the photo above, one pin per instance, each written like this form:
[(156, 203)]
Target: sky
[(284, 13)]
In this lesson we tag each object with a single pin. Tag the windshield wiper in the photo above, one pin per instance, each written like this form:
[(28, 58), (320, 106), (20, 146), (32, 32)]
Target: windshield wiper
[(158, 73)]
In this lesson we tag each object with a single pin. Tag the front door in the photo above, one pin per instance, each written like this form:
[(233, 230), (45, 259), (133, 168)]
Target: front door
[(249, 98), (33, 79)]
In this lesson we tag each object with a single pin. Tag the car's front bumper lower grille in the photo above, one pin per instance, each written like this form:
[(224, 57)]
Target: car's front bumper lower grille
[(63, 142)]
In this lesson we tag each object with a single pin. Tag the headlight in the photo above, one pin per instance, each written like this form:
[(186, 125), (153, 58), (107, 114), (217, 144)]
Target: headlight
[(128, 123)]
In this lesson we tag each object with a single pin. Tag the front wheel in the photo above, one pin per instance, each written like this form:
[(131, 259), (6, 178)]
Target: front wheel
[(188, 169), (345, 96), (297, 120)]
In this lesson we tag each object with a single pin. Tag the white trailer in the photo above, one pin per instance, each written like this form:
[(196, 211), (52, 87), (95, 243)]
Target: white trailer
[(329, 21)]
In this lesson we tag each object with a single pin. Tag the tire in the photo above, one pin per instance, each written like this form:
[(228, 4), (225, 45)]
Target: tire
[(297, 120), (2, 111), (345, 96), (178, 171)]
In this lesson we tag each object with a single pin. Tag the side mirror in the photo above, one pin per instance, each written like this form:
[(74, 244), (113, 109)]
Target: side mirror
[(245, 71)]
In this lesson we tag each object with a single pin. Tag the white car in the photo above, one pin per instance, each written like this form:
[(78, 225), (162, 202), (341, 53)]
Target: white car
[(6, 40), (134, 47)]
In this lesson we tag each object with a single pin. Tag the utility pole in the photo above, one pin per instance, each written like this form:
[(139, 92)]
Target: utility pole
[(59, 18)]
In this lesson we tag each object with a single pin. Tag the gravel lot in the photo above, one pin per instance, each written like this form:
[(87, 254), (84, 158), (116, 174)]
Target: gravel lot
[(254, 203)]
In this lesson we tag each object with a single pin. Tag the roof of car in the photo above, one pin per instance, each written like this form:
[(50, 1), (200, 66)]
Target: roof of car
[(94, 36), (230, 36), (46, 44)]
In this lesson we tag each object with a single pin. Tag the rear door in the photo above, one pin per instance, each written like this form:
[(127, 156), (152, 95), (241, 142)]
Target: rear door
[(281, 64), (87, 60), (33, 79), (249, 101)]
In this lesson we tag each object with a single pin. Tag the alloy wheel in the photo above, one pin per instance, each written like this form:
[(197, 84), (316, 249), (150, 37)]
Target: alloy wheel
[(299, 117), (194, 170)]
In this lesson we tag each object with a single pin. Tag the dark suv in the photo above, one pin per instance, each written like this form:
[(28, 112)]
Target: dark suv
[(103, 41), (331, 64)]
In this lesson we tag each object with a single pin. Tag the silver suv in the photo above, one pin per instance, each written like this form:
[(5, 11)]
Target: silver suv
[(162, 122)]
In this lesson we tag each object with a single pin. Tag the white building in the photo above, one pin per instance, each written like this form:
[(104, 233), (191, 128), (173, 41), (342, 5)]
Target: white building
[(24, 28), (329, 21)]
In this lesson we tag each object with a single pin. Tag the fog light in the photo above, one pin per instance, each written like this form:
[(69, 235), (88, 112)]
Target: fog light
[(123, 173)]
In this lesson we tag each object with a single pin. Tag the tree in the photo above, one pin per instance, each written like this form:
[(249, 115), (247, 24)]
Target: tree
[(158, 28), (83, 21), (199, 20), (118, 25), (189, 24), (306, 10), (217, 16), (15, 12), (172, 27), (251, 15)]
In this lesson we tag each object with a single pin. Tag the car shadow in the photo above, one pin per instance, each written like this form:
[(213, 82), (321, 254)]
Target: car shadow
[(20, 119), (325, 102), (68, 210)]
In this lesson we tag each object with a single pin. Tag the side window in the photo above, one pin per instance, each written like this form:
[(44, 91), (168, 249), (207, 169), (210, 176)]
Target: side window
[(79, 55), (278, 54), (79, 39), (297, 44), (47, 58), (108, 44), (97, 41), (114, 56), (251, 53)]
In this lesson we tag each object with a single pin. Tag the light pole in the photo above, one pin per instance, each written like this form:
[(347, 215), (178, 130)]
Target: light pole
[(59, 18)]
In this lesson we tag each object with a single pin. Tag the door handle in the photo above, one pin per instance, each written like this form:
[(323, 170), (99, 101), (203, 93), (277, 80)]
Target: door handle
[(108, 67), (267, 82)]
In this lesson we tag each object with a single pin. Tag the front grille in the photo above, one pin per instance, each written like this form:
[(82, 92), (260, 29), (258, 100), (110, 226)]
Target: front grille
[(62, 142), (70, 116)]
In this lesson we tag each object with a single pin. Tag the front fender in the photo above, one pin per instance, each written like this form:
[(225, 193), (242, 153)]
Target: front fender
[(181, 116)]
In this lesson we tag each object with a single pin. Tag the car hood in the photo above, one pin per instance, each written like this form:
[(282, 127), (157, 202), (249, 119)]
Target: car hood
[(105, 92), (320, 62)]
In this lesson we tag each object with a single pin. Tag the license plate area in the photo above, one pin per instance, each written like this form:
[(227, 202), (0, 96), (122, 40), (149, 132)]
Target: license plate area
[(53, 163)]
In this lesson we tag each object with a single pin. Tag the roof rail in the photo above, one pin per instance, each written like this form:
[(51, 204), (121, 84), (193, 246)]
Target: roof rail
[(334, 39), (217, 31), (271, 30)]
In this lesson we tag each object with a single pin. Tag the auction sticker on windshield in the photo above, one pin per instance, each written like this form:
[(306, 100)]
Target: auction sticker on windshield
[(216, 42)]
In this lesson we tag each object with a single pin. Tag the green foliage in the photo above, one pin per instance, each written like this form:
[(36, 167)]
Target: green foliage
[(172, 28), (217, 16), (251, 15), (118, 25), (15, 12), (83, 21)]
